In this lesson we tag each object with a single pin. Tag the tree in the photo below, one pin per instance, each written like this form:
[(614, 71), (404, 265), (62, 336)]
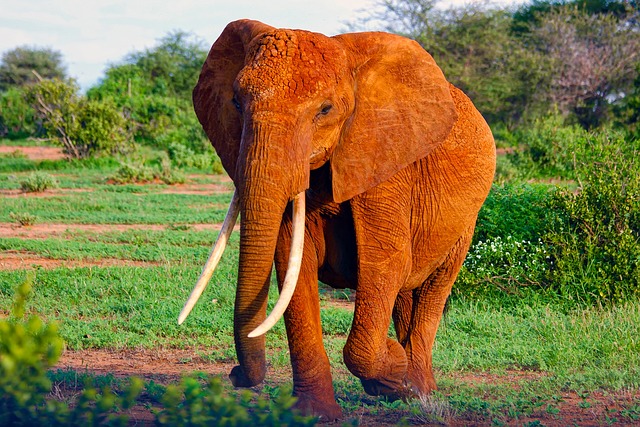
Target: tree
[(153, 89), (475, 48), (529, 14), (594, 59), (17, 116), (17, 66), (83, 127), (172, 67)]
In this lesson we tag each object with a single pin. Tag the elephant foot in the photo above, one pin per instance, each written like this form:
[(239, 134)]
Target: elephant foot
[(384, 377), (420, 379), (242, 378), (325, 409)]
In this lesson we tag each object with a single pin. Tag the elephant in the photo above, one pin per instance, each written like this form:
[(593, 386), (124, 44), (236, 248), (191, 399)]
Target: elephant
[(356, 164)]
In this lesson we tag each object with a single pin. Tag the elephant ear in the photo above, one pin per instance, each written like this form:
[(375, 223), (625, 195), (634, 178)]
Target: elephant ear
[(403, 111), (213, 94)]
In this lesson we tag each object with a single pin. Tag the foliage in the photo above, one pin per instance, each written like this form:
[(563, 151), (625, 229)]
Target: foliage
[(588, 240), (476, 51), (83, 127), (18, 65), (130, 173), (527, 16), (514, 210), (25, 219), (594, 59), (627, 112), (171, 67), (27, 350), (577, 56), (595, 237), (507, 265), (549, 148), (182, 156), (192, 404), (17, 116), (37, 182), (153, 89)]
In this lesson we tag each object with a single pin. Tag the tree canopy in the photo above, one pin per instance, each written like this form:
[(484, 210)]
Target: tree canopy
[(577, 57), (18, 65)]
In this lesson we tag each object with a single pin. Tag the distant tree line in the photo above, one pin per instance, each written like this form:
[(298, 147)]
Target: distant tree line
[(143, 99), (579, 59)]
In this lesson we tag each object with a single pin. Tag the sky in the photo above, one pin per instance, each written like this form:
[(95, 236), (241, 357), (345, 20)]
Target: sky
[(91, 34)]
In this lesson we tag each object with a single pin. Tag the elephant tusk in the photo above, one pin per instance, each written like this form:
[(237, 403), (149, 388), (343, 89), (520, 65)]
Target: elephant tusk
[(293, 269), (214, 258)]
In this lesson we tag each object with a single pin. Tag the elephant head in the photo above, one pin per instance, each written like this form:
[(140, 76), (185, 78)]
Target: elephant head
[(277, 104)]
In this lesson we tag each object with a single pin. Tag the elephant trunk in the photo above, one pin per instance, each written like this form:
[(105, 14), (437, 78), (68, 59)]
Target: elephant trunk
[(269, 179)]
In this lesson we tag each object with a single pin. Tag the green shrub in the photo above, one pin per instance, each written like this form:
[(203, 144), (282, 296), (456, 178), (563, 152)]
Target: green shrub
[(548, 148), (191, 403), (183, 156), (28, 349), (503, 265), (130, 173), (518, 211), (25, 219), (83, 127), (595, 235), (17, 117), (37, 182)]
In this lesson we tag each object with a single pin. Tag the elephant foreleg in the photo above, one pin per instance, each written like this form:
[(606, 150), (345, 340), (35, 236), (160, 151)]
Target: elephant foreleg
[(312, 383), (426, 306), (384, 262)]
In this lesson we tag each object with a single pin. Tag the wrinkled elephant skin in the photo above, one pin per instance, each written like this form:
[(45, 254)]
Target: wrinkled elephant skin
[(394, 163)]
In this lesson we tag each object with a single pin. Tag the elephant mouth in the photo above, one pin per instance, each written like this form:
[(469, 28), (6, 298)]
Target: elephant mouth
[(293, 269)]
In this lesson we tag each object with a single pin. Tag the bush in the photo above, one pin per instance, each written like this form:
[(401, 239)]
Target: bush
[(17, 117), (595, 235), (516, 210), (548, 148), (37, 182), (192, 404), (503, 265), (28, 349), (83, 127), (25, 219), (183, 156), (130, 173)]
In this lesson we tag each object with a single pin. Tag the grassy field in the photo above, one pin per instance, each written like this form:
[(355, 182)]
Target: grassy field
[(499, 361)]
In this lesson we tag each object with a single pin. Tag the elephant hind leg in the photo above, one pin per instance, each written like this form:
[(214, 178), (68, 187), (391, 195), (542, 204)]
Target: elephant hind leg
[(417, 316)]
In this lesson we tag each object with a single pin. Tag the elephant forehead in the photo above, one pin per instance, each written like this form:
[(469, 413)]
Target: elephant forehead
[(287, 64)]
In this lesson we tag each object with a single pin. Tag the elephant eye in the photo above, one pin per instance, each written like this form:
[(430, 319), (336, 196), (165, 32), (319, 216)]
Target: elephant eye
[(236, 104), (325, 109)]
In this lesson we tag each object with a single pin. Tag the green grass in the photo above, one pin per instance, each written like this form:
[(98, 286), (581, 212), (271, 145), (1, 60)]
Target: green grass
[(589, 352), (110, 207)]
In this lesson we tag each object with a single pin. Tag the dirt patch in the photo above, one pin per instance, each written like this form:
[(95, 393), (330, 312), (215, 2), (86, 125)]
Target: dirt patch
[(47, 230), (35, 153), (198, 189), (166, 366), (12, 260), (48, 193)]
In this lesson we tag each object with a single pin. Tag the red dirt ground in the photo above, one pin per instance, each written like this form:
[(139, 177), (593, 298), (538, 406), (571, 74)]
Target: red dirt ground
[(35, 153), (167, 365)]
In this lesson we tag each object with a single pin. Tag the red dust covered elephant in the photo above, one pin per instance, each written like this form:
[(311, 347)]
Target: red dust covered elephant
[(355, 163)]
